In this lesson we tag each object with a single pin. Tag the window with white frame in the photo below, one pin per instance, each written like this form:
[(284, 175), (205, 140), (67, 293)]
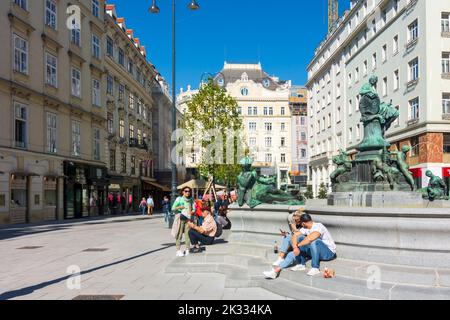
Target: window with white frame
[(76, 138), (95, 46), (20, 54), (252, 126), (413, 31), (385, 86), (51, 13), (96, 143), (51, 132), (446, 103), (283, 158), (96, 94), (268, 157), (20, 125), (75, 34), (131, 101), (268, 141), (121, 57), (365, 68), (76, 82), (22, 3), (395, 45), (396, 79), (252, 142), (350, 106), (122, 129), (414, 70), (96, 8), (414, 109), (110, 123), (374, 61), (384, 53), (51, 63), (268, 126), (396, 122), (445, 22), (338, 115), (283, 126), (446, 62), (350, 134), (283, 111), (283, 142)]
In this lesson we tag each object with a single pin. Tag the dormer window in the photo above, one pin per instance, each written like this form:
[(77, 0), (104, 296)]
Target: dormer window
[(244, 76), (266, 83)]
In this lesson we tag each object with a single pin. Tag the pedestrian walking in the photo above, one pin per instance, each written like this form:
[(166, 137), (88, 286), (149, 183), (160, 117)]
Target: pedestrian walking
[(150, 205), (143, 206), (166, 208)]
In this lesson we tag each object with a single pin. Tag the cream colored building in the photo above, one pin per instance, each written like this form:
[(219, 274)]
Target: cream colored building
[(53, 119), (406, 43), (263, 101)]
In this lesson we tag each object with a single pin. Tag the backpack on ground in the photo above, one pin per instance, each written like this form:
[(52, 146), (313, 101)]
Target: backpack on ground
[(219, 231)]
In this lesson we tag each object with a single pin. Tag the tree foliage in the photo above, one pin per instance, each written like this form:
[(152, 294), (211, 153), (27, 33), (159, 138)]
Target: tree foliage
[(309, 193), (214, 128), (323, 192)]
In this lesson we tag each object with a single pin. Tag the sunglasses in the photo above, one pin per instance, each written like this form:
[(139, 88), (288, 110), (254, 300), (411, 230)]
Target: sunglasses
[(187, 191)]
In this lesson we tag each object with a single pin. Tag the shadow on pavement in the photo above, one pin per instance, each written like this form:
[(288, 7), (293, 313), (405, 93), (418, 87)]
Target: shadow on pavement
[(18, 230), (29, 290)]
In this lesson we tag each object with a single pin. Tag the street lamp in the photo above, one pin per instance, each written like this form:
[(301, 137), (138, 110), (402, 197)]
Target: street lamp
[(154, 9)]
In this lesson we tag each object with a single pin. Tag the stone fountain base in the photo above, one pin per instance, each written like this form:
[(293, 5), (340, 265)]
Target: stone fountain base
[(377, 199)]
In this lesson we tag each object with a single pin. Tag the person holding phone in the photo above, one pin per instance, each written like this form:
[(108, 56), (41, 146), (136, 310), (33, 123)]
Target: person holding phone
[(286, 243), (185, 207)]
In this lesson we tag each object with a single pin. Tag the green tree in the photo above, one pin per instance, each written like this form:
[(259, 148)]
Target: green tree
[(213, 124), (323, 191), (309, 193)]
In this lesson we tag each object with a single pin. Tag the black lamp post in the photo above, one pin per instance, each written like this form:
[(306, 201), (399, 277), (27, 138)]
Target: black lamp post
[(155, 9)]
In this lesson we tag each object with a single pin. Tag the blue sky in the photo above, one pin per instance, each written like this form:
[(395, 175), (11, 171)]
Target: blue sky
[(282, 34)]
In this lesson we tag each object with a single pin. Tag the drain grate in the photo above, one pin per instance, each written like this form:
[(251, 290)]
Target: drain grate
[(98, 297), (95, 250), (30, 248)]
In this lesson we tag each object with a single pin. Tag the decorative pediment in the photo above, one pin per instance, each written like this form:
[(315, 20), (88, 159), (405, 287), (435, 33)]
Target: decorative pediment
[(50, 42), (20, 23), (20, 92)]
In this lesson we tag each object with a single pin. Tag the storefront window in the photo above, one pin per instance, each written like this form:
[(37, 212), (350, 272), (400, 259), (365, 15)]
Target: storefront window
[(446, 142), (50, 198), (18, 198), (37, 199)]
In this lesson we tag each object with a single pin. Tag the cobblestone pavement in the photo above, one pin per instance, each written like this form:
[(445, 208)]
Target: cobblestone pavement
[(124, 256)]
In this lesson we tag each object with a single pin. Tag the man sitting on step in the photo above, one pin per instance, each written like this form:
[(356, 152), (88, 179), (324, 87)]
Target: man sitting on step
[(312, 242)]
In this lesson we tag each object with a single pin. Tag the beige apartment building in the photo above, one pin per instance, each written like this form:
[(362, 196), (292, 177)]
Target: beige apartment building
[(53, 119)]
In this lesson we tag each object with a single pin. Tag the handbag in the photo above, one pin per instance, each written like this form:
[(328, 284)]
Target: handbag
[(176, 226)]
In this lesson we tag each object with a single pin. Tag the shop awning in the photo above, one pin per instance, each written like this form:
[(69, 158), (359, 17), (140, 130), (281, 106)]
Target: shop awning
[(155, 184)]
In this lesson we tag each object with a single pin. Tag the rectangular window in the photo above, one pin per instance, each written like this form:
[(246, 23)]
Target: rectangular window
[(95, 8), (133, 165), (252, 126), (121, 58), (51, 63), (20, 125), (303, 153), (268, 126), (96, 46), (121, 128), (139, 136), (350, 106), (414, 70), (445, 22), (76, 138), (51, 133), (268, 142), (283, 111), (414, 110), (130, 67), (255, 111), (123, 162), (283, 158), (96, 94), (131, 131), (395, 45), (121, 92), (110, 47), (268, 158), (252, 142), (76, 82), (446, 143), (385, 86), (22, 3), (446, 62), (20, 54), (446, 103), (51, 13), (374, 61), (75, 33), (131, 101), (413, 31), (350, 134), (396, 79), (112, 160), (365, 67), (283, 126), (384, 53), (250, 111), (110, 123), (96, 142), (110, 84)]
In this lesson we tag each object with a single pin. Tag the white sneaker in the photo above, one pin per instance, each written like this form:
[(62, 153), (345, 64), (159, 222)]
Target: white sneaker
[(278, 262), (179, 253), (270, 274), (313, 272), (299, 267), (186, 253)]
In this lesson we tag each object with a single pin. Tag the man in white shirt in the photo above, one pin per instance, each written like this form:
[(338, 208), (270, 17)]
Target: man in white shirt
[(150, 205), (312, 242)]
